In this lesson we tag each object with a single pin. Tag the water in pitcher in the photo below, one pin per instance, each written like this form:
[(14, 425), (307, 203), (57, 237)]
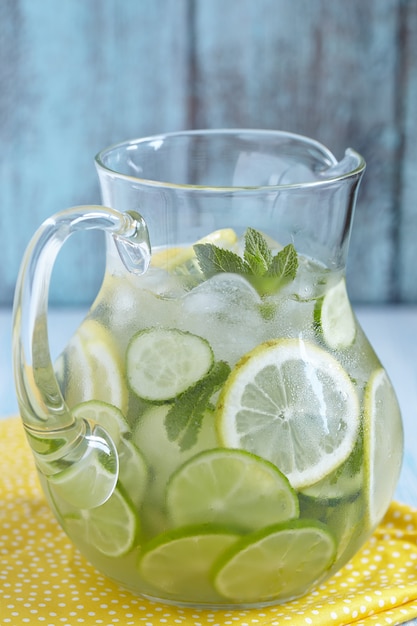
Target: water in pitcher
[(257, 451)]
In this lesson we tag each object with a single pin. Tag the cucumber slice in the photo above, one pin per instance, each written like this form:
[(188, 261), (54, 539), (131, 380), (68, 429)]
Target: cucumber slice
[(344, 484), (334, 489), (162, 363), (162, 455), (334, 318)]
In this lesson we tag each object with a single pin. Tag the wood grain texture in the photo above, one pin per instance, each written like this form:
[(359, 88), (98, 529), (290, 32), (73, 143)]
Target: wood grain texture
[(76, 76), (324, 69), (407, 187), (84, 75)]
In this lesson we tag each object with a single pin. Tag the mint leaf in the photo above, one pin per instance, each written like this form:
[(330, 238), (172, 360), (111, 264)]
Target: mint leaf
[(266, 273), (284, 265), (184, 418), (213, 260), (257, 254)]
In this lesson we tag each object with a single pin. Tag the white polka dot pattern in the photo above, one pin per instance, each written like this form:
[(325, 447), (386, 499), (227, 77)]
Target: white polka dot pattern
[(45, 581)]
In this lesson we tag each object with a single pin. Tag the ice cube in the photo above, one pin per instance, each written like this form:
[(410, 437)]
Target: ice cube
[(222, 294), (226, 311)]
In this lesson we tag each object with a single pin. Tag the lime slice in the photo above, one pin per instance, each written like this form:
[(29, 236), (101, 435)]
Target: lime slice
[(178, 563), (111, 528), (164, 362), (278, 563), (133, 471), (92, 474), (334, 318), (383, 437), (172, 258), (232, 488), (292, 403), (105, 414), (93, 368)]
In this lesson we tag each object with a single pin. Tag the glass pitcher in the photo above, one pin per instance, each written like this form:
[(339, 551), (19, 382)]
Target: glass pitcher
[(218, 432)]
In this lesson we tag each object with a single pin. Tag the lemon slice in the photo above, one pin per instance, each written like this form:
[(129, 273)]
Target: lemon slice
[(383, 436), (161, 363), (232, 488), (111, 528), (172, 258), (93, 369), (292, 403), (278, 563), (334, 318), (178, 563)]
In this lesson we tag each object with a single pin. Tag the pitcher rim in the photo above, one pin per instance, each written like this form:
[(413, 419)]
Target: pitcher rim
[(352, 173)]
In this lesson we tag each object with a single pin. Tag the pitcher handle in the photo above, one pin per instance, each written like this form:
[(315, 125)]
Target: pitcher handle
[(57, 439)]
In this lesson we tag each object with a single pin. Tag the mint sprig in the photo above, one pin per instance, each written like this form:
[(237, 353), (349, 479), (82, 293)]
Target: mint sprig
[(257, 254), (214, 260), (184, 419), (267, 272), (284, 265)]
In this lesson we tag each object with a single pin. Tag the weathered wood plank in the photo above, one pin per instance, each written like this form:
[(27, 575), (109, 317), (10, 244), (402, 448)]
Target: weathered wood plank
[(406, 261), (78, 77), (324, 69)]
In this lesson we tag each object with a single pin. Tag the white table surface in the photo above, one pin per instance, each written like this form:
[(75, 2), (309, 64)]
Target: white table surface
[(391, 330)]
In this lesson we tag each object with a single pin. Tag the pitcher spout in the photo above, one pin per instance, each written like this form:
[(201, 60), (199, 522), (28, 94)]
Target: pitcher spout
[(352, 165)]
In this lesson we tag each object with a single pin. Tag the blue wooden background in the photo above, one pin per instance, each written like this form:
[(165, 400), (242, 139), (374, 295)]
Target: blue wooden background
[(77, 75)]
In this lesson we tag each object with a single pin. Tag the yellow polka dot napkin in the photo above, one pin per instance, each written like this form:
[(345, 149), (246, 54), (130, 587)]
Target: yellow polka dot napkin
[(45, 581)]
